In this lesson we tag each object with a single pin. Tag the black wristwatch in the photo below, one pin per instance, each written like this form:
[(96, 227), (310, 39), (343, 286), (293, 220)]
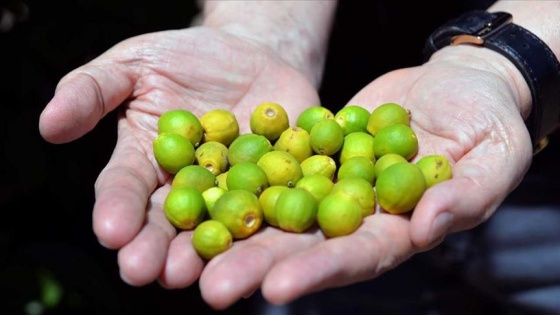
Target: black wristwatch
[(531, 56)]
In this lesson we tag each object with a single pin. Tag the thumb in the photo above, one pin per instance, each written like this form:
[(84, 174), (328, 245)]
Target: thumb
[(82, 98)]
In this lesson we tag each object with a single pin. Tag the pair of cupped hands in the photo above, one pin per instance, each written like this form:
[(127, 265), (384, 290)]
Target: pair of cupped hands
[(464, 105)]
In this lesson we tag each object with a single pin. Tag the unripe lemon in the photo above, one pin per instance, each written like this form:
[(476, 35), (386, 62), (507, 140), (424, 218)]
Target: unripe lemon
[(268, 200), (386, 115), (248, 147), (181, 122), (397, 138), (240, 211), (270, 120), (248, 176), (184, 207), (281, 168), (436, 169), (296, 210), (352, 118), (326, 137), (400, 187), (319, 164), (311, 115), (194, 176), (219, 125), (212, 155), (296, 141), (211, 238), (338, 215), (173, 152)]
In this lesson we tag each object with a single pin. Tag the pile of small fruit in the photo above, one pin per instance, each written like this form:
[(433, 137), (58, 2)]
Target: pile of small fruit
[(329, 170)]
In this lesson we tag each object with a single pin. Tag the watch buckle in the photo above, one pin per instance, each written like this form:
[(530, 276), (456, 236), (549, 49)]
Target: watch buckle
[(501, 19)]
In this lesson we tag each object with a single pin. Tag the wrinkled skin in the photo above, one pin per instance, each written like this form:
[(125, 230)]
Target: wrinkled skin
[(455, 111)]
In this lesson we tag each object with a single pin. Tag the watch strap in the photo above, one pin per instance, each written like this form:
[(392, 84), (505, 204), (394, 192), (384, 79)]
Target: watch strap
[(534, 59)]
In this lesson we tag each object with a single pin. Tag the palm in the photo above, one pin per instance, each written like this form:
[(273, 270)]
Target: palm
[(196, 69)]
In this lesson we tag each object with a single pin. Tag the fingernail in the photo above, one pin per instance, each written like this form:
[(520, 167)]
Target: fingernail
[(246, 296), (440, 226)]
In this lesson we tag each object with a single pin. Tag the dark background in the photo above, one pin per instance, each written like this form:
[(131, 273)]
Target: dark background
[(46, 190)]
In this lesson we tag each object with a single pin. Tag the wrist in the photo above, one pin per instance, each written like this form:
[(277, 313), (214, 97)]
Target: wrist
[(491, 62), (297, 31)]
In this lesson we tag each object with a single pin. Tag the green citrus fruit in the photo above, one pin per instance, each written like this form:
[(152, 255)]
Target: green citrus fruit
[(361, 190), (400, 187), (319, 164), (311, 115), (436, 169), (281, 168), (397, 138), (296, 210), (213, 155), (210, 196), (173, 152), (222, 180), (211, 238), (248, 176), (240, 211), (268, 200), (181, 122), (184, 207), (387, 160), (357, 167), (295, 140), (386, 115), (219, 125), (318, 185), (248, 147), (357, 144), (338, 215), (352, 118), (194, 176), (326, 137), (269, 119)]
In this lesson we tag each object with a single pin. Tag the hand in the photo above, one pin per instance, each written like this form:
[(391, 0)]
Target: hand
[(197, 69), (467, 108)]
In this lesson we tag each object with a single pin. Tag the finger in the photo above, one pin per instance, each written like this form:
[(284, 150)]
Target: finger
[(183, 265), (240, 270), (122, 191), (142, 260), (379, 244), (82, 98)]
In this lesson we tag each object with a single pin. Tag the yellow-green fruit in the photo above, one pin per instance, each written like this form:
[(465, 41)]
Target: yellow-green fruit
[(352, 118), (400, 187), (248, 176), (311, 115), (240, 211), (326, 137), (268, 200), (357, 144), (357, 167), (248, 147), (173, 152), (194, 176), (222, 180), (219, 125), (338, 215), (320, 165), (295, 140), (386, 115), (211, 238), (361, 190), (181, 122), (387, 160), (281, 168), (318, 185), (213, 155), (436, 169), (184, 207), (296, 210), (397, 138), (210, 196), (269, 119)]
